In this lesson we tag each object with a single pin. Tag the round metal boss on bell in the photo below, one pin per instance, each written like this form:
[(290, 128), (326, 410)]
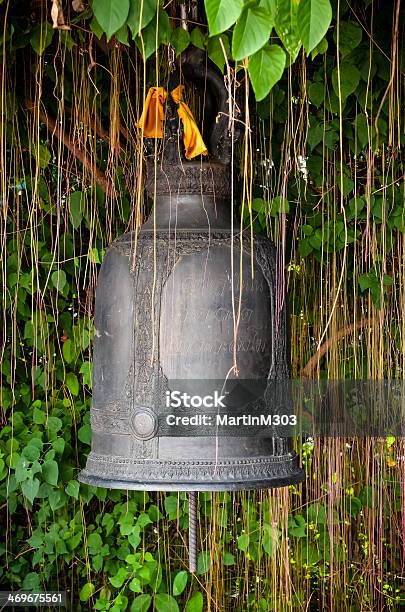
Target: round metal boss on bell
[(178, 314)]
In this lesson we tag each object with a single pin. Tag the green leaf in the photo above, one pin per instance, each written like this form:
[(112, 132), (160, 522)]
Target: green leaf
[(75, 208), (316, 513), (305, 247), (279, 206), (67, 351), (96, 28), (66, 39), (265, 69), (86, 369), (72, 489), (221, 14), (111, 15), (137, 21), (355, 207), (143, 520), (229, 559), (195, 603), (21, 469), (216, 52), (320, 49), (50, 472), (93, 255), (141, 603), (197, 38), (313, 21), (94, 543), (251, 32), (58, 279), (165, 603), (349, 79), (134, 538), (270, 6), (135, 585), (84, 434), (180, 40), (37, 539), (41, 37), (286, 26), (350, 35), (297, 526), (38, 416), (259, 205), (270, 539), (72, 383), (118, 580), (171, 504), (146, 41), (54, 424), (361, 130), (31, 582), (203, 562), (315, 134), (122, 35), (243, 541), (86, 591), (30, 488), (31, 452), (44, 156), (354, 504), (316, 93), (310, 555), (179, 583), (345, 184)]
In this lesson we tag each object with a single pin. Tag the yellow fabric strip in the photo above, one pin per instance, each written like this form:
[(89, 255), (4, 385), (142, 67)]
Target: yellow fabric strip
[(193, 142), (152, 118)]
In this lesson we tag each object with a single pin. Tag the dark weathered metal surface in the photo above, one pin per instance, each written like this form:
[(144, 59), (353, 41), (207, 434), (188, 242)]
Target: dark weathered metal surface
[(178, 303), (163, 313)]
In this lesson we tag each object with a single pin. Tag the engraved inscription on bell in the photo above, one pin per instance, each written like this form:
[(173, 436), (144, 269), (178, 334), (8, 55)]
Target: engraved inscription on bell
[(207, 319)]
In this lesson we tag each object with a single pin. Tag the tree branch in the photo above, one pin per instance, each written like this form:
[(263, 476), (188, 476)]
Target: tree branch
[(308, 370), (80, 154)]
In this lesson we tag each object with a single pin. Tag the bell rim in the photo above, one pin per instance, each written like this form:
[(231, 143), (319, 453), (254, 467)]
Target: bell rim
[(295, 476)]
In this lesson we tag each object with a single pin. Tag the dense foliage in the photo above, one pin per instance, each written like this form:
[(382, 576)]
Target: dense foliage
[(320, 169)]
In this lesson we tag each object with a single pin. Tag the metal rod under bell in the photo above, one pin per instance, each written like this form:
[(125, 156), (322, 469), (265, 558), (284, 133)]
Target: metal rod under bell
[(192, 531)]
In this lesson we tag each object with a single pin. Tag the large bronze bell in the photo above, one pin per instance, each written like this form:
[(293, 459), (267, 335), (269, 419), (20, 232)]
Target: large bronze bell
[(165, 315)]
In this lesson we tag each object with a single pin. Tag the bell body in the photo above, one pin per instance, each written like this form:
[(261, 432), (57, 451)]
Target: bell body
[(178, 308)]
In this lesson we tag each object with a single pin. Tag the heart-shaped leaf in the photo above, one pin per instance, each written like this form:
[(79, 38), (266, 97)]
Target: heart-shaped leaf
[(141, 603), (195, 604), (179, 583), (140, 14), (313, 21), (221, 14), (165, 603), (251, 32), (50, 471), (286, 26), (111, 15), (30, 488), (265, 69)]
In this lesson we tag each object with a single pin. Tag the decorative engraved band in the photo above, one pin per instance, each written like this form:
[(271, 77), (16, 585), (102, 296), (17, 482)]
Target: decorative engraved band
[(107, 467), (198, 178)]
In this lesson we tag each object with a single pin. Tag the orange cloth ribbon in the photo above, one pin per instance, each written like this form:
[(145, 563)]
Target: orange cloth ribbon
[(152, 118)]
